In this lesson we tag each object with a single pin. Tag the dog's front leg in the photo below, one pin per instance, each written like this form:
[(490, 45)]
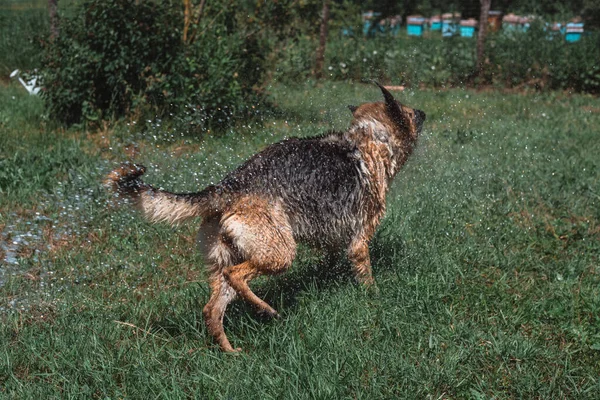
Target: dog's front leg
[(358, 254)]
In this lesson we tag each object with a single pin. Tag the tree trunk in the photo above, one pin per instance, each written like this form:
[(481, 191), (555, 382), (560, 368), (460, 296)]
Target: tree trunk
[(187, 17), (483, 24), (53, 12), (322, 41), (198, 15)]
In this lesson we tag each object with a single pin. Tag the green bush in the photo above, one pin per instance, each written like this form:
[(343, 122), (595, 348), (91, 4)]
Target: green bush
[(543, 59), (119, 57), (532, 59), (430, 61)]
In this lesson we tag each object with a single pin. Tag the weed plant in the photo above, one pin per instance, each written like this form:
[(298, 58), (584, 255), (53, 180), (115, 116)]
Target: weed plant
[(487, 263)]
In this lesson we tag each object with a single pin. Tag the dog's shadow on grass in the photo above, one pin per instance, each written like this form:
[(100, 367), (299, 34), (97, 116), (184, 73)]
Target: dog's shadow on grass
[(311, 272), (316, 272)]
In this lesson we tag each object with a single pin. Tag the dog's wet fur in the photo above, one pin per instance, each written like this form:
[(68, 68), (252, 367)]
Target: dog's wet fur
[(327, 191)]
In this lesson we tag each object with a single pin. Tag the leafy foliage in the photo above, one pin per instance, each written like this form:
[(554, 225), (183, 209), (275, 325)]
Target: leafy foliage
[(514, 59), (120, 57), (543, 59), (400, 60)]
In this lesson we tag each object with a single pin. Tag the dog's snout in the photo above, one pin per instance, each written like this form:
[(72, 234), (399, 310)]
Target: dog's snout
[(420, 115)]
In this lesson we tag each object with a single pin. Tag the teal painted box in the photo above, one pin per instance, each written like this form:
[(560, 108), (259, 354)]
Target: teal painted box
[(467, 27), (467, 31), (414, 25), (450, 24), (574, 31), (436, 23)]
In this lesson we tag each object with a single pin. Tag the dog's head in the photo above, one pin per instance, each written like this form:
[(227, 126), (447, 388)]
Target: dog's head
[(403, 123)]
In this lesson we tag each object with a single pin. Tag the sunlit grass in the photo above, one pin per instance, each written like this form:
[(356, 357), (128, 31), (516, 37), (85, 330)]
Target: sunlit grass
[(487, 264)]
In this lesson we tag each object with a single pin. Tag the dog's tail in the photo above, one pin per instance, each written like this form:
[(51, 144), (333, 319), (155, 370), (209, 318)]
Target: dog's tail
[(159, 205)]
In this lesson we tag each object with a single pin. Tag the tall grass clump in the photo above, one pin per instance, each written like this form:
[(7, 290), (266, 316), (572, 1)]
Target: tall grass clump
[(21, 31)]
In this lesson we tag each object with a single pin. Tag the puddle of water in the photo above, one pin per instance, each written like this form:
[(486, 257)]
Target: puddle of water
[(27, 237)]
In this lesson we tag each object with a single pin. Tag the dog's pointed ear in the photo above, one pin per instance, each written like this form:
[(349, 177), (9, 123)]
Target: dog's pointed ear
[(352, 108), (389, 98), (393, 106)]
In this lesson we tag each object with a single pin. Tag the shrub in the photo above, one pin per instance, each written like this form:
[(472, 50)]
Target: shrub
[(513, 59), (105, 57), (540, 59), (119, 57), (414, 61)]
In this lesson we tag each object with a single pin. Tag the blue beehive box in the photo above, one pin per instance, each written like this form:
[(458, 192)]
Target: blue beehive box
[(525, 23), (436, 23), (553, 30), (574, 31), (448, 28), (467, 27), (414, 25), (510, 22), (367, 19), (393, 24), (450, 24)]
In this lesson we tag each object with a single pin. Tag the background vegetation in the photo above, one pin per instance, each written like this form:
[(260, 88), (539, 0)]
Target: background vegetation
[(525, 60), (116, 58), (122, 58)]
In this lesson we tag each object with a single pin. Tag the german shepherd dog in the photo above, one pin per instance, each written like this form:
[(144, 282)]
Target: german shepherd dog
[(326, 191)]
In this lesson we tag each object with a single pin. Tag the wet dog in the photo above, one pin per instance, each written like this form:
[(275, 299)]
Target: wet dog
[(327, 191)]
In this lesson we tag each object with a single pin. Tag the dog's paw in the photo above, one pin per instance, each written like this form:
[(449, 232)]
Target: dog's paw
[(232, 351), (271, 313)]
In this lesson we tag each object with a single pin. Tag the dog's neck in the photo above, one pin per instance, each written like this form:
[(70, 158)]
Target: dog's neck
[(376, 142)]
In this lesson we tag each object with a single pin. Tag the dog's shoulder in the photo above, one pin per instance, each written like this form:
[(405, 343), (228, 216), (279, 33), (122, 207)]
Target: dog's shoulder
[(331, 140), (306, 150)]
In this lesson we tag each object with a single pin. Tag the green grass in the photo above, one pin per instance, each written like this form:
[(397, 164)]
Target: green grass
[(22, 26), (487, 264)]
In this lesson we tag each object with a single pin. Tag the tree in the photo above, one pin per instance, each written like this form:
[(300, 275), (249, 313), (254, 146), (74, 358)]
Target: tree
[(53, 12), (483, 23), (322, 40), (187, 20)]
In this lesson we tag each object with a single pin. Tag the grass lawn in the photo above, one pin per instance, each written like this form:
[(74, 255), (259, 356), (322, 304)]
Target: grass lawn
[(487, 264)]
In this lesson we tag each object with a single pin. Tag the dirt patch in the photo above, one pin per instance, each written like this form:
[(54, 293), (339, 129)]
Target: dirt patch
[(593, 110)]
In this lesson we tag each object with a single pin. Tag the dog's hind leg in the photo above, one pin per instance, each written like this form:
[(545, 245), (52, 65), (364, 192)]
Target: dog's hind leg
[(221, 295), (358, 254), (219, 255)]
